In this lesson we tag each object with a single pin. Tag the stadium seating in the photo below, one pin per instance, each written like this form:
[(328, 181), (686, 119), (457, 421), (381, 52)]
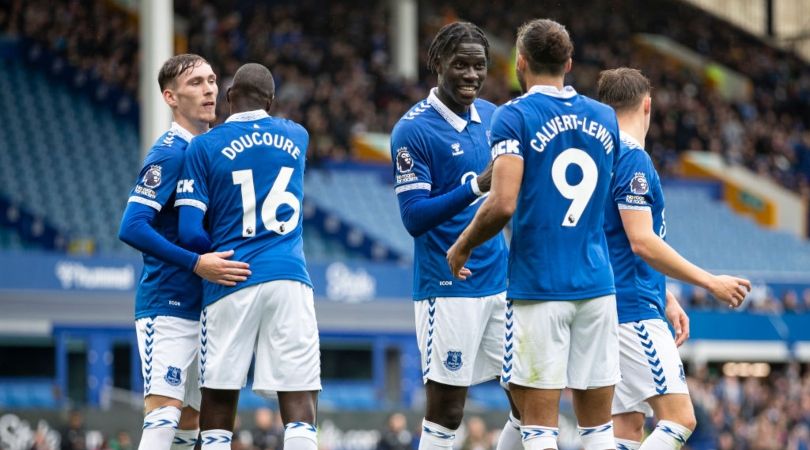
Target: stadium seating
[(361, 200), (27, 393), (707, 232), (64, 158)]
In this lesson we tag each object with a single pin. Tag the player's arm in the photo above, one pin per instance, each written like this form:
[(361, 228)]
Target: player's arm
[(678, 318), (492, 216), (412, 169), (638, 225), (420, 212), (136, 230)]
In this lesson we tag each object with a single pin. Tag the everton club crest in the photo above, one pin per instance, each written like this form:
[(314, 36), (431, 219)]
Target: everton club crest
[(453, 361)]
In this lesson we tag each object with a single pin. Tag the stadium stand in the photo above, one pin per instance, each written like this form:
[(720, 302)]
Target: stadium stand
[(331, 62)]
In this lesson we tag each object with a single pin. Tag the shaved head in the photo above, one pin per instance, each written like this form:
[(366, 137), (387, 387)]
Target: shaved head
[(253, 88)]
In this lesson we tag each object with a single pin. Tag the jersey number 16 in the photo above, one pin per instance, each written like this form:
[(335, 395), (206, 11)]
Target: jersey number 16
[(277, 196)]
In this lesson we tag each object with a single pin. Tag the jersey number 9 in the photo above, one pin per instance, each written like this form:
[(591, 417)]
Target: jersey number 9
[(579, 193)]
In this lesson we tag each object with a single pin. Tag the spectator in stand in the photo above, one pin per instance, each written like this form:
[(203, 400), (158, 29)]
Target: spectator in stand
[(269, 431), (396, 435)]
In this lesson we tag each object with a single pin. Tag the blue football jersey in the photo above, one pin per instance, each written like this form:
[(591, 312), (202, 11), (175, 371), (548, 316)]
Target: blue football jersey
[(165, 289), (568, 144), (248, 176), (436, 150), (640, 289)]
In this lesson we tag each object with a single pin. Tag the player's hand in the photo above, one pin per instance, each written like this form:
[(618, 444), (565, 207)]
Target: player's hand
[(678, 318), (457, 256), (485, 179), (730, 290), (217, 268)]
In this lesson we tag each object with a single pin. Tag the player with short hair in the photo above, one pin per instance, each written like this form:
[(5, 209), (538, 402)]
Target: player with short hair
[(168, 300), (246, 179), (553, 153), (653, 378), (440, 154)]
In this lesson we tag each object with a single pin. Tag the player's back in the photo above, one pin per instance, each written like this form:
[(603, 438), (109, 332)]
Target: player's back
[(252, 180), (568, 142)]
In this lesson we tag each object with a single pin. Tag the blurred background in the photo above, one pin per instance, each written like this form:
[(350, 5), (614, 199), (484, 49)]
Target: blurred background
[(730, 135)]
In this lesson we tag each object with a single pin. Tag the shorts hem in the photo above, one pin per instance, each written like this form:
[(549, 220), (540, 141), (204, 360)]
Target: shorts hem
[(173, 395), (460, 383), (596, 384), (222, 386), (646, 396), (265, 389), (526, 384)]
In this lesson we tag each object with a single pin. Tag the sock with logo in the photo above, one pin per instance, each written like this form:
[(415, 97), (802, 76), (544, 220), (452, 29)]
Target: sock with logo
[(216, 439), (625, 444), (300, 436), (159, 426), (666, 436), (536, 437), (599, 437), (436, 437), (185, 439)]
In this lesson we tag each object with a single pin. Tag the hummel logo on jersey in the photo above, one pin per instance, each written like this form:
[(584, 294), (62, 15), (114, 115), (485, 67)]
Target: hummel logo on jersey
[(457, 149), (184, 186)]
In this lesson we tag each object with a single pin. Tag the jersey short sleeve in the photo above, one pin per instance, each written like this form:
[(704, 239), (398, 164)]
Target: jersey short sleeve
[(157, 178), (411, 160), (191, 188), (632, 184), (506, 132)]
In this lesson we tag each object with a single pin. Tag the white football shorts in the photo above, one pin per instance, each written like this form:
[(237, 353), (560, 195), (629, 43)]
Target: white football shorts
[(277, 320), (168, 347), (461, 339), (558, 344), (650, 365)]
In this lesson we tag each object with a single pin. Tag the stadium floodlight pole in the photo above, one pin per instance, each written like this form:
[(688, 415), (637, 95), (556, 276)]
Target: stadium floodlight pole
[(404, 38), (156, 32)]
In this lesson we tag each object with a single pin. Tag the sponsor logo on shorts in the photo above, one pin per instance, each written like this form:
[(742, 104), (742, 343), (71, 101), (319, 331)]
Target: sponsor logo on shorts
[(173, 376), (453, 361)]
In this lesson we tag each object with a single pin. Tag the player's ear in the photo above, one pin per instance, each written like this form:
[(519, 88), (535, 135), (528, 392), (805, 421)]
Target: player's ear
[(228, 95), (168, 97), (647, 105), (568, 65)]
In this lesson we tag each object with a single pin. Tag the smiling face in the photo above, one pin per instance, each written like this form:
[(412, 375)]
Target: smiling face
[(461, 76), (193, 96)]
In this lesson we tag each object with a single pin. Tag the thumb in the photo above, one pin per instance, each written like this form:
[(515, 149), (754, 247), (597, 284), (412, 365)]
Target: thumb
[(224, 255)]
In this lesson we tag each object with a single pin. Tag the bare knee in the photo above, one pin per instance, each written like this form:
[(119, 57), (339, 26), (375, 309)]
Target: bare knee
[(445, 404), (675, 408), (153, 402), (629, 426), (189, 419)]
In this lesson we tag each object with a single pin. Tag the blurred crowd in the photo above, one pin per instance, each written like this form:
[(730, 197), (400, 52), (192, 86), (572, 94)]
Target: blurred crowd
[(331, 61), (734, 413), (761, 299)]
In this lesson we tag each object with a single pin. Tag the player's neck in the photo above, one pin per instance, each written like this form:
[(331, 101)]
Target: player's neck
[(193, 126), (633, 126), (545, 80)]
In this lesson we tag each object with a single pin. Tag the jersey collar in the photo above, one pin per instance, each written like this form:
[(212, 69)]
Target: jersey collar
[(629, 139), (552, 91), (452, 118), (182, 132), (248, 116)]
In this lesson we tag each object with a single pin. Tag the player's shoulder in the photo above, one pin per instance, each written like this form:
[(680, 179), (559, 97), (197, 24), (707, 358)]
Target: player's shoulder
[(169, 145), (632, 154), (288, 125), (416, 114), (483, 105), (597, 106)]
